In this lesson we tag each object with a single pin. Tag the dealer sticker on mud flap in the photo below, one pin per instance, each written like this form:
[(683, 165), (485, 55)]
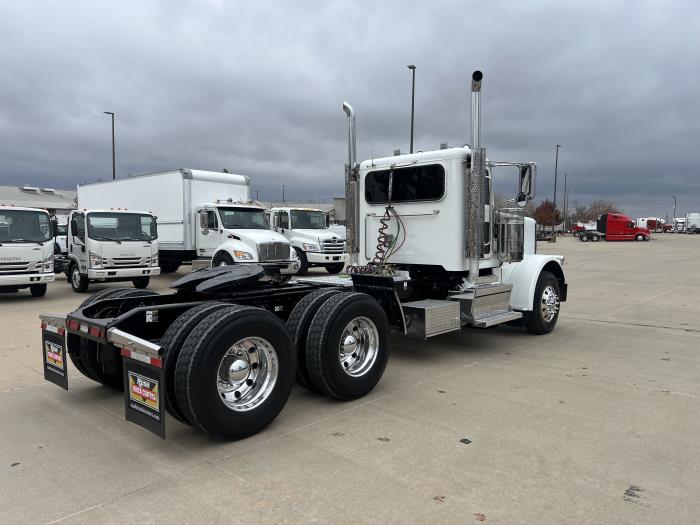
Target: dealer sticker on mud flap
[(143, 386), (54, 356)]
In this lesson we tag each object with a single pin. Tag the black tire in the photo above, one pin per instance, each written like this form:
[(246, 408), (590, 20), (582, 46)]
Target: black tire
[(78, 282), (639, 237), (88, 348), (37, 290), (583, 237), (172, 342), (595, 238), (74, 341), (222, 259), (534, 320), (169, 267), (324, 340), (298, 325), (198, 364), (141, 282), (334, 268), (303, 262)]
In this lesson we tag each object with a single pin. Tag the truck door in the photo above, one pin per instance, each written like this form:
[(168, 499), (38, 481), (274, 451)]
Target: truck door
[(76, 239), (282, 222), (208, 232)]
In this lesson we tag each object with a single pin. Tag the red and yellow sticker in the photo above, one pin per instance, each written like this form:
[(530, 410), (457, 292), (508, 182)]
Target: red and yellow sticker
[(144, 390), (54, 355)]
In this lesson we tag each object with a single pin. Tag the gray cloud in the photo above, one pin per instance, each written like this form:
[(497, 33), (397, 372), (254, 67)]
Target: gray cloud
[(256, 87)]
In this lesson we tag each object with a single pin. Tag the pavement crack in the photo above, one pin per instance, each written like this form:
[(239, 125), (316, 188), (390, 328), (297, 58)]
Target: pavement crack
[(629, 323)]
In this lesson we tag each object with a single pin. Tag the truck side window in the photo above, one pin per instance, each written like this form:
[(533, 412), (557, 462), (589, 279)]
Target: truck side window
[(414, 183), (211, 220), (80, 231), (284, 220)]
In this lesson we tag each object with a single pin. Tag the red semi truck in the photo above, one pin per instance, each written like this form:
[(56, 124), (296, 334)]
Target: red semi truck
[(615, 227)]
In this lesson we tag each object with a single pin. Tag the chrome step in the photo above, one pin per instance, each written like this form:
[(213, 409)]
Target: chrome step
[(497, 318)]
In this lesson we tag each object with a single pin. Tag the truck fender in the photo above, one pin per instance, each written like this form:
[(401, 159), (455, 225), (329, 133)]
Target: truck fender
[(73, 259), (523, 276), (231, 244)]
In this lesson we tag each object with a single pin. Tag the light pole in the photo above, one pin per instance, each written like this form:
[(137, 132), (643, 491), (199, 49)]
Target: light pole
[(413, 99), (674, 206), (283, 186), (556, 167), (114, 163), (565, 177)]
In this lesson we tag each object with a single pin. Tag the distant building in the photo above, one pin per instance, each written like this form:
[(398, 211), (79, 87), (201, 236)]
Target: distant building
[(59, 202)]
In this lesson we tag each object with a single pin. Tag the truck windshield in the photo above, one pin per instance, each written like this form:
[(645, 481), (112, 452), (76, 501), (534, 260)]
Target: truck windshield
[(62, 229), (244, 218), (308, 219), (106, 226), (24, 226)]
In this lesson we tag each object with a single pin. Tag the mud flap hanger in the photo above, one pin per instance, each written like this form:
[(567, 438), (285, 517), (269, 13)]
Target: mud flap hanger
[(143, 380)]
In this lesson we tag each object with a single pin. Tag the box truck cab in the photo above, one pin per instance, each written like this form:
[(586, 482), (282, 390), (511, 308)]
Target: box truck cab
[(239, 233), (111, 245), (26, 250), (315, 244)]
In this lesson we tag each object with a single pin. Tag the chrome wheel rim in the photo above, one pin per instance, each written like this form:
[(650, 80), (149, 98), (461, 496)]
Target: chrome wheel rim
[(549, 304), (359, 346), (247, 374), (75, 277)]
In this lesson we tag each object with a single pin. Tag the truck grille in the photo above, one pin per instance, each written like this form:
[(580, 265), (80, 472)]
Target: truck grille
[(335, 246), (273, 251), (18, 268), (125, 262)]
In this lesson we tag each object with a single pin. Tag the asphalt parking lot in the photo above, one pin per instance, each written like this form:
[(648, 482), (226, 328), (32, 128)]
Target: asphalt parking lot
[(594, 423)]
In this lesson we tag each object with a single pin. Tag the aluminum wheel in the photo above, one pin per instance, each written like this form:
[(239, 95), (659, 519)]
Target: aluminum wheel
[(247, 374), (549, 304), (359, 346)]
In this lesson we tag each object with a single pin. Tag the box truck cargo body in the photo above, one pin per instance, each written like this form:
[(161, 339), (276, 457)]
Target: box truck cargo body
[(692, 222), (200, 214)]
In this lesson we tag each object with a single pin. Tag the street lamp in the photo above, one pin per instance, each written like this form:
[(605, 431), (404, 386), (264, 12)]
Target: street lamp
[(674, 206), (413, 99), (283, 187), (114, 165), (556, 167), (565, 199)]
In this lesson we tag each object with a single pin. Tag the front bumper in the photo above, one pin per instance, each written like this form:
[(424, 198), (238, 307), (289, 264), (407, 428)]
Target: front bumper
[(122, 273), (326, 258), (26, 279)]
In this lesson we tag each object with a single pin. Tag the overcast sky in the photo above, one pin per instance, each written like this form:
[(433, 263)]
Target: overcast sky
[(256, 87)]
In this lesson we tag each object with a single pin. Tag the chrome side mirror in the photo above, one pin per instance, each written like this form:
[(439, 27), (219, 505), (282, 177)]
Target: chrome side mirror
[(521, 200)]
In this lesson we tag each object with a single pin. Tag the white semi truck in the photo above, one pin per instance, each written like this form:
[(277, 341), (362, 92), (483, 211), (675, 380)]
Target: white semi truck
[(201, 215), (431, 252), (110, 246), (26, 250), (307, 231)]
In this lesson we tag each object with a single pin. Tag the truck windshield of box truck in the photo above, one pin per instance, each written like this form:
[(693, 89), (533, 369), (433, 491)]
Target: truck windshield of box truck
[(17, 226), (244, 219), (308, 220), (120, 227)]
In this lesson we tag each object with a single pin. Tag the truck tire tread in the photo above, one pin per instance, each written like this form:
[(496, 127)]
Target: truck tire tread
[(532, 320)]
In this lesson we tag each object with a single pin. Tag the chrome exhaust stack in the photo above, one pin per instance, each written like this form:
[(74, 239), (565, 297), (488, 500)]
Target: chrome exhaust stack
[(475, 177), (352, 187)]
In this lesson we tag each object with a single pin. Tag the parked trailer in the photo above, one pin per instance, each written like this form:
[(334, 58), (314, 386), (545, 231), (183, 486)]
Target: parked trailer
[(431, 252), (200, 214), (692, 222), (615, 227)]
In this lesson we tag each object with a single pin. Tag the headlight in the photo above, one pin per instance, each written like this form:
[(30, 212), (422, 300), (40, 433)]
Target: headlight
[(310, 247), (243, 256), (293, 254), (95, 260), (154, 260), (48, 264)]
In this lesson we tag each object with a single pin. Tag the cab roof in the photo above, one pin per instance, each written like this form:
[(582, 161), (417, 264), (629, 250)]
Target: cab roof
[(20, 208), (421, 157)]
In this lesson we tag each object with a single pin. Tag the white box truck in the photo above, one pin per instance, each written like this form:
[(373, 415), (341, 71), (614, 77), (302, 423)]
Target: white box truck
[(692, 222), (110, 245), (307, 231), (26, 250), (200, 214)]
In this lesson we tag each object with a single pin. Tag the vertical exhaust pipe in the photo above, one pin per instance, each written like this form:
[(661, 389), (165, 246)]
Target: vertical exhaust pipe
[(475, 177), (352, 186)]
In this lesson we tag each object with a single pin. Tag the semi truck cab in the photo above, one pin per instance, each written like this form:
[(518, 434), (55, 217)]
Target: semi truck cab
[(26, 250), (315, 244), (111, 245), (239, 233), (619, 227)]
